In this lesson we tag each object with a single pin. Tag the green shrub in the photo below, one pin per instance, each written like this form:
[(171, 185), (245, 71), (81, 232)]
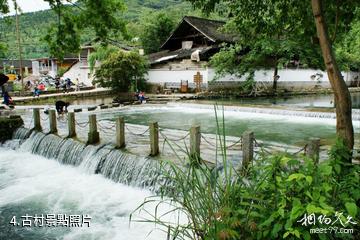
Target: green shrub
[(270, 201), (122, 71)]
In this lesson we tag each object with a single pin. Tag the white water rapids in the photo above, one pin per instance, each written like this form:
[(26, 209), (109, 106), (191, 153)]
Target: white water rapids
[(31, 184)]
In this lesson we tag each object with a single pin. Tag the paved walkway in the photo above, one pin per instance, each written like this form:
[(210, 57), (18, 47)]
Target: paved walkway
[(76, 93)]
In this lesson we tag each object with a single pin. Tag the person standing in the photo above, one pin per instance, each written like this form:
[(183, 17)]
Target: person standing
[(7, 99), (57, 84), (68, 84), (77, 84), (36, 91)]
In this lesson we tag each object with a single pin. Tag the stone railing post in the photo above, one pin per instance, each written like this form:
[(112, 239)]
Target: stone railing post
[(93, 135), (313, 149), (37, 120), (52, 121), (195, 140), (247, 149), (120, 132), (71, 125), (154, 138)]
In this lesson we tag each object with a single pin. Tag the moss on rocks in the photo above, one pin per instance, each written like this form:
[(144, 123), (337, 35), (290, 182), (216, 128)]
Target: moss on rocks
[(8, 125)]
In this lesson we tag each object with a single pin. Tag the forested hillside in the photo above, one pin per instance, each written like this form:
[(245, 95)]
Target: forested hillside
[(34, 25)]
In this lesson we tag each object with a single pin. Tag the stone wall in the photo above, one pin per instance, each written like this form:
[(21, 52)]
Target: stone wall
[(8, 125)]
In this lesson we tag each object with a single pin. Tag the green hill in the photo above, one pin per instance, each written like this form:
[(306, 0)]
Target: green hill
[(34, 25)]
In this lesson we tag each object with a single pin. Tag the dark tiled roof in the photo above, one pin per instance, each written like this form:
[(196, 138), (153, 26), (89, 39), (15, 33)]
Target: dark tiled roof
[(15, 63), (210, 28), (164, 56)]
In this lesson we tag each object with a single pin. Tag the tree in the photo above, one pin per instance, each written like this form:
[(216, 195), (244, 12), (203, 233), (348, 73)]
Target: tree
[(344, 125), (121, 71), (156, 28), (348, 50), (269, 31), (100, 54), (102, 16)]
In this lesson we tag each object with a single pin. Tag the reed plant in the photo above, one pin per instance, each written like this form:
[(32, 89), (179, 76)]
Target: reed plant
[(269, 201)]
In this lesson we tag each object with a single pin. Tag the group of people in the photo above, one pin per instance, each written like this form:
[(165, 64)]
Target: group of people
[(66, 84), (140, 96)]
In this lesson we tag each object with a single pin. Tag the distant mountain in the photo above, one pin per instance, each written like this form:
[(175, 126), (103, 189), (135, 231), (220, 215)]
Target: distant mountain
[(34, 26)]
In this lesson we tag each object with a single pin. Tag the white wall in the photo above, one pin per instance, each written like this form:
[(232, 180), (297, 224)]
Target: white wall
[(161, 76), (35, 68), (286, 75), (81, 71)]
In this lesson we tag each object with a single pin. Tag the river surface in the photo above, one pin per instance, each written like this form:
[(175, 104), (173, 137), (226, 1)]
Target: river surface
[(41, 181), (306, 101)]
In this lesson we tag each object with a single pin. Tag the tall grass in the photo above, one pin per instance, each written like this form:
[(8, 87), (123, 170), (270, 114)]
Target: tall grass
[(219, 202)]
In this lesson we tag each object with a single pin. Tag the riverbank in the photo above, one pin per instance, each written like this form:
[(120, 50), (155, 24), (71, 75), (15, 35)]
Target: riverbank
[(280, 93), (161, 98), (49, 98), (8, 125)]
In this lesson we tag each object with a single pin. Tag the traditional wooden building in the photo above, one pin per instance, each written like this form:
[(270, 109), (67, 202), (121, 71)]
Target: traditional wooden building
[(185, 54), (73, 66), (80, 69), (9, 66)]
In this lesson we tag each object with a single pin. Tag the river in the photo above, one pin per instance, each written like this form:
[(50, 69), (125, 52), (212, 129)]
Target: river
[(47, 175)]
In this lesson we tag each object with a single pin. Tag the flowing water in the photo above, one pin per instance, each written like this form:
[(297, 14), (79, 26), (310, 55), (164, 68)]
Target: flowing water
[(49, 175)]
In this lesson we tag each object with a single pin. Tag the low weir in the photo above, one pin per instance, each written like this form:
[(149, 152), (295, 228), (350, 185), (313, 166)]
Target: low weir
[(94, 156), (100, 159), (272, 111)]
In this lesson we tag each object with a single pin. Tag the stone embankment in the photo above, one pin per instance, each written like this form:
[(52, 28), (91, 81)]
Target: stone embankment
[(8, 125)]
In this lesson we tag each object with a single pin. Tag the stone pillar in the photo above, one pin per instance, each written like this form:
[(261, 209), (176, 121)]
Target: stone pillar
[(195, 140), (37, 120), (71, 125), (313, 149), (154, 138), (93, 135), (52, 121), (120, 132), (247, 149)]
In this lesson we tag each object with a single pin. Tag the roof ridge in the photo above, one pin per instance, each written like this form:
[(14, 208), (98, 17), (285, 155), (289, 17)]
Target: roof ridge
[(205, 19)]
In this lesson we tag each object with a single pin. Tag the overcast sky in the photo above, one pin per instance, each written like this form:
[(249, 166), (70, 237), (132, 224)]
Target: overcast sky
[(29, 5)]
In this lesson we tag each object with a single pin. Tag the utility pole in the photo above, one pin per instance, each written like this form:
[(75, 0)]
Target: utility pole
[(19, 45)]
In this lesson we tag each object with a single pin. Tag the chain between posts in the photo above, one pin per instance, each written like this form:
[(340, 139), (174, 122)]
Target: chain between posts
[(260, 145), (235, 143), (63, 120), (112, 127), (207, 141), (137, 134), (228, 147), (173, 139), (167, 140), (107, 131), (82, 125), (299, 151)]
